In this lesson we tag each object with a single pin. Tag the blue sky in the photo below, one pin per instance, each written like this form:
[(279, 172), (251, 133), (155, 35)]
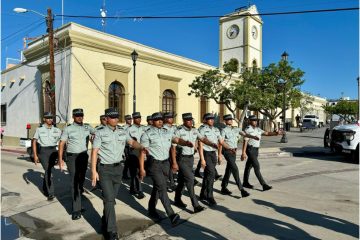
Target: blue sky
[(324, 45)]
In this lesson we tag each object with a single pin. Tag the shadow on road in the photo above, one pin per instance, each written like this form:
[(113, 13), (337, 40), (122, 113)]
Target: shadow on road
[(265, 226), (312, 218)]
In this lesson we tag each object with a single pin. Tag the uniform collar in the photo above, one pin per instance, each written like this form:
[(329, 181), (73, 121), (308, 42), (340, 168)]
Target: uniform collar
[(186, 128), (76, 124), (138, 126), (110, 128), (47, 127)]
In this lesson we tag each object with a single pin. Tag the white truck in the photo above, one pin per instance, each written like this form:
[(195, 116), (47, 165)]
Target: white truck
[(313, 119), (344, 139)]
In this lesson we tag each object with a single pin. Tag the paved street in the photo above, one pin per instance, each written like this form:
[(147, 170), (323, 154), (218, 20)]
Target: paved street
[(315, 196)]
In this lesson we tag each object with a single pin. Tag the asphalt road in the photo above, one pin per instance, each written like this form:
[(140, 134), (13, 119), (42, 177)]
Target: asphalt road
[(314, 197)]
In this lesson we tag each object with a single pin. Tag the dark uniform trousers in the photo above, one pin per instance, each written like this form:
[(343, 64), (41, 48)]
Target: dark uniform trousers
[(110, 180), (48, 156), (231, 168), (127, 159), (198, 167), (135, 183), (209, 174), (252, 161), (186, 177), (158, 171), (77, 164)]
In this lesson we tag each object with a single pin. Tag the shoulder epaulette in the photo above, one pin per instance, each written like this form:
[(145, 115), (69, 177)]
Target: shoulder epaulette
[(179, 127), (99, 128), (86, 124), (148, 129), (69, 124), (119, 127)]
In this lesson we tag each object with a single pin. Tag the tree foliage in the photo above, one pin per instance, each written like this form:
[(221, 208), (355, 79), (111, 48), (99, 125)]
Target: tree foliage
[(256, 89), (345, 109)]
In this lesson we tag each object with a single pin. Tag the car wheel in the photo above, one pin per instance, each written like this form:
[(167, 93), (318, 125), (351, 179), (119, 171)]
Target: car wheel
[(355, 155)]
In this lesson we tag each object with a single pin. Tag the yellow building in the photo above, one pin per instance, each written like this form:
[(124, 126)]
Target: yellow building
[(94, 71)]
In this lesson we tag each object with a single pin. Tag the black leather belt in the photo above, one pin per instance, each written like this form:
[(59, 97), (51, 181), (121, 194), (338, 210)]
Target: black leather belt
[(111, 164), (50, 147), (183, 155)]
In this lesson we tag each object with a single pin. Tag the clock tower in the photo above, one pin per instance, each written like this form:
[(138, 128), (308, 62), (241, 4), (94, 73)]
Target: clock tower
[(241, 37)]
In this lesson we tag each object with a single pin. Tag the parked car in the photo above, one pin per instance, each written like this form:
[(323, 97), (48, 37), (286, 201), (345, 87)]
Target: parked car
[(344, 139), (313, 118)]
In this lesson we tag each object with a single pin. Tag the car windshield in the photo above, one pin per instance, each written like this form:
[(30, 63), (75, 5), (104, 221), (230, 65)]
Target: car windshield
[(310, 116)]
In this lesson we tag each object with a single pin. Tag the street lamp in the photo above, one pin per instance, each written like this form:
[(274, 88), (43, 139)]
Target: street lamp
[(50, 30), (24, 10), (284, 139), (134, 56)]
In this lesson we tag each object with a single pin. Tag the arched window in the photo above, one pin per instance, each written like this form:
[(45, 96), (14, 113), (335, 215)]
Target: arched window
[(169, 101), (117, 98)]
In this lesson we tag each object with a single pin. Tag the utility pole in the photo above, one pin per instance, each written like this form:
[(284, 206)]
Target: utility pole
[(50, 30)]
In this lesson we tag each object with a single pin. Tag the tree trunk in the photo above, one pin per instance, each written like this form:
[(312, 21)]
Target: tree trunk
[(242, 116), (275, 124)]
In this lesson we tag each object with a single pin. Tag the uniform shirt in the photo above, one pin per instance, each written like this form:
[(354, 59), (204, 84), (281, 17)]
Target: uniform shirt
[(126, 126), (212, 134), (188, 134), (147, 127), (255, 132), (135, 132), (171, 128), (231, 135), (158, 142), (111, 144), (77, 137), (47, 137), (96, 128)]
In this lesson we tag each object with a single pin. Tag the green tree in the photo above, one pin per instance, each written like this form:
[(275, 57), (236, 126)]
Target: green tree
[(221, 87), (269, 91), (345, 109)]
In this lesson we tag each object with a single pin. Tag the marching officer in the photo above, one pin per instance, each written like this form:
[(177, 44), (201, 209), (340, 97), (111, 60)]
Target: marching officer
[(198, 167), (102, 122), (168, 124), (128, 122), (185, 161), (230, 135), (213, 135), (149, 122), (135, 131), (109, 144), (157, 141), (47, 136), (250, 151), (76, 136)]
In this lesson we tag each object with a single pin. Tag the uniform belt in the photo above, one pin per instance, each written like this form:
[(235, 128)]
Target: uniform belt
[(49, 147), (111, 164), (249, 146), (183, 155)]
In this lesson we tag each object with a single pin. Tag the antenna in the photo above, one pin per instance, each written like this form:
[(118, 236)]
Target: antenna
[(103, 15)]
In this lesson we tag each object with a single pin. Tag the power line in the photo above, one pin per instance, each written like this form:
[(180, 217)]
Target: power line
[(23, 29), (214, 16)]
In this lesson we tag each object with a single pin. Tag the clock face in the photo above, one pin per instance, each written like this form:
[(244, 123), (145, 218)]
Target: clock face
[(232, 31), (254, 32)]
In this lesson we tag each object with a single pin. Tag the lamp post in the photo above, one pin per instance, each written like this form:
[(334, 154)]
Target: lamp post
[(284, 139), (134, 56), (50, 29)]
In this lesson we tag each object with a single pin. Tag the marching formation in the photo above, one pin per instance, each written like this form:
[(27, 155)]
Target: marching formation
[(162, 151)]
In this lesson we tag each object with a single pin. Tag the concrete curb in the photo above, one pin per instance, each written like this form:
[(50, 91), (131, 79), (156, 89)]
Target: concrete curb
[(21, 151)]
